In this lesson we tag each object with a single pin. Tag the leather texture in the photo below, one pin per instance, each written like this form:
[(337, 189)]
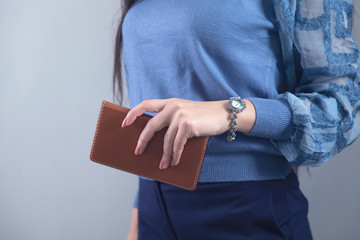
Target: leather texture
[(114, 147)]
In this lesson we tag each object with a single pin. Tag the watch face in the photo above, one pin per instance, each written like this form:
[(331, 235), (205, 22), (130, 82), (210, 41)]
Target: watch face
[(236, 104)]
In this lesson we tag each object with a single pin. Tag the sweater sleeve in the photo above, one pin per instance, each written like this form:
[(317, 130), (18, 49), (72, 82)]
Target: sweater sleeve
[(325, 102), (273, 119), (136, 200)]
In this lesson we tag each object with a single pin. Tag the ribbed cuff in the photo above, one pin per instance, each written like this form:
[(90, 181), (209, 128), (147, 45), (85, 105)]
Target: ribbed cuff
[(273, 119)]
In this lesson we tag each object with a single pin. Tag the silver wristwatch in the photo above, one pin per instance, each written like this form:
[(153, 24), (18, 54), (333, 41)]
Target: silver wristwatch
[(235, 104)]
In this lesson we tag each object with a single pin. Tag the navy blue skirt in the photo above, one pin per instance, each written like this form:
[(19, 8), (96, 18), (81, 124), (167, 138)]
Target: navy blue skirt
[(262, 210)]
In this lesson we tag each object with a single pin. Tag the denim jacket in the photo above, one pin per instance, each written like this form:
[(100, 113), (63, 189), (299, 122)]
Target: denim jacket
[(322, 69)]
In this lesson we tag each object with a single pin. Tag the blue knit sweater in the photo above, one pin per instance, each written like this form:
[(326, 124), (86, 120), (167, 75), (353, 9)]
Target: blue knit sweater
[(209, 50)]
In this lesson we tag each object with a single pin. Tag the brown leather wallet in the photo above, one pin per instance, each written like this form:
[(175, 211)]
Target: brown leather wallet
[(114, 146)]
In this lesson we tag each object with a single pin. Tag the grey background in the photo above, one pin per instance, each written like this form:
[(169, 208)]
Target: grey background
[(55, 69)]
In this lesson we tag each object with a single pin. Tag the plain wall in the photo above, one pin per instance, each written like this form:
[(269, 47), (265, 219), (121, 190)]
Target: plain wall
[(55, 69)]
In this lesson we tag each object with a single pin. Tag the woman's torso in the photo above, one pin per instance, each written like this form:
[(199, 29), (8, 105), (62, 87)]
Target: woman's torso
[(209, 50)]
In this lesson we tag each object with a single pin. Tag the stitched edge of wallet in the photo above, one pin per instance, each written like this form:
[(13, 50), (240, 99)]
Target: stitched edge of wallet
[(112, 105), (96, 131)]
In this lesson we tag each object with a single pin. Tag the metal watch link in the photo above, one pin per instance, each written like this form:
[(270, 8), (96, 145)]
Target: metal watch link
[(235, 104)]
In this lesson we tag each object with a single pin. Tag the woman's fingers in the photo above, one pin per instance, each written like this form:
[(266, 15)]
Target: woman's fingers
[(168, 146), (174, 142), (152, 105), (155, 124), (178, 147)]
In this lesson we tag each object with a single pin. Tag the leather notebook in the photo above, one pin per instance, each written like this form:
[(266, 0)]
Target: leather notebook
[(114, 147)]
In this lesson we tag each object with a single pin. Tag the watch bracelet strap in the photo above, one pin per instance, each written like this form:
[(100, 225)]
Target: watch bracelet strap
[(232, 131)]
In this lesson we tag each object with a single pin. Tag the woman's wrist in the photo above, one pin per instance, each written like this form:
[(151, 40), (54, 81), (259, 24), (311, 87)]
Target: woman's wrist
[(246, 119)]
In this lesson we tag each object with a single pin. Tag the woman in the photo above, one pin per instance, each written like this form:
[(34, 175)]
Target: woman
[(294, 64)]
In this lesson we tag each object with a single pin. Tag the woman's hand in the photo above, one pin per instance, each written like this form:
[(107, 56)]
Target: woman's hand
[(185, 119)]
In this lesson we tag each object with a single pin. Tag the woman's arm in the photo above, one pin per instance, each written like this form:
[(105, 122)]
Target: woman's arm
[(185, 119), (133, 231), (325, 103)]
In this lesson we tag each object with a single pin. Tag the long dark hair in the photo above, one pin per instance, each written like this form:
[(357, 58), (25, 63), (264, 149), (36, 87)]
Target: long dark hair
[(117, 79)]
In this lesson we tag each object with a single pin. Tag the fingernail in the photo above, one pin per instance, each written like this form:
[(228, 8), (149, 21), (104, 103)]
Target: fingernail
[(161, 165), (165, 165), (124, 122), (137, 150)]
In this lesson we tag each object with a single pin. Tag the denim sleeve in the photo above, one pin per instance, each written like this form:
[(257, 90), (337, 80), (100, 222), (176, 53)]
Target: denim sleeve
[(325, 100)]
